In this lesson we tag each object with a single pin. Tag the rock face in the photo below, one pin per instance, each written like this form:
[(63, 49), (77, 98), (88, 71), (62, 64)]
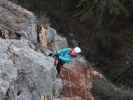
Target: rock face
[(77, 81), (24, 73), (15, 19), (60, 42), (51, 34)]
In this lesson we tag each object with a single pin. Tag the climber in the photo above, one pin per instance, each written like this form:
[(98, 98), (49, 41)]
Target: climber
[(65, 55)]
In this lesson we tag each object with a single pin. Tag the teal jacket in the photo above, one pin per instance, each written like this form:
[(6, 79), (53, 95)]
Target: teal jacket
[(64, 55)]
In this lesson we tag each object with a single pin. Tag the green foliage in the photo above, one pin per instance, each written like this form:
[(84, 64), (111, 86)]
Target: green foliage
[(48, 6), (130, 35), (93, 7), (39, 6), (107, 91)]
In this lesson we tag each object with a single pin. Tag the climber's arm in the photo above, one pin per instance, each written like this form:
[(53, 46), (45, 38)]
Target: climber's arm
[(63, 50)]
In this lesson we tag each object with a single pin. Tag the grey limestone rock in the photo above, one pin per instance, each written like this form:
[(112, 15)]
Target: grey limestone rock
[(24, 73)]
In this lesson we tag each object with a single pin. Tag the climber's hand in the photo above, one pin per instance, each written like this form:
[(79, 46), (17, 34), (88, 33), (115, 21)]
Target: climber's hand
[(52, 55)]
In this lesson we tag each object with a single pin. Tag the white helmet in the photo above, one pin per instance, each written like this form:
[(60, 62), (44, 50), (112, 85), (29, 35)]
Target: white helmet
[(77, 49)]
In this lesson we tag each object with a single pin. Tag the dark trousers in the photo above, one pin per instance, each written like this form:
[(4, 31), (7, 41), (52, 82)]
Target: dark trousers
[(59, 65)]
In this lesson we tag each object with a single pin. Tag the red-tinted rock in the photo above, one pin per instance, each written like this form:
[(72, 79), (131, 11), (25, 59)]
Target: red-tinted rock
[(77, 80)]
